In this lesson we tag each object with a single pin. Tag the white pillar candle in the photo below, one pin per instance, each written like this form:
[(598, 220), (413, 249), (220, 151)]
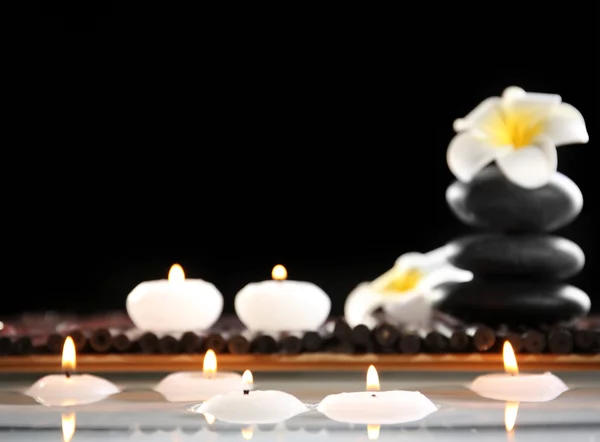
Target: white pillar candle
[(282, 305), (374, 407), (70, 389), (249, 407), (192, 386), (513, 386), (175, 304)]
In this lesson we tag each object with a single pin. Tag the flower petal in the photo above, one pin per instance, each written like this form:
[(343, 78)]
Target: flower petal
[(514, 93), (411, 261), (565, 125), (469, 152), (423, 262), (444, 274), (411, 310), (486, 110), (532, 106), (361, 303), (530, 167)]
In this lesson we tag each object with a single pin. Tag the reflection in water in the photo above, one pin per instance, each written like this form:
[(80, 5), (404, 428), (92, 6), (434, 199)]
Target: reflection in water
[(373, 431), (247, 433), (68, 426), (510, 419), (210, 419)]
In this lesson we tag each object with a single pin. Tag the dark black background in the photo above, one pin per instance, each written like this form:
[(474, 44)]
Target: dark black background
[(232, 140)]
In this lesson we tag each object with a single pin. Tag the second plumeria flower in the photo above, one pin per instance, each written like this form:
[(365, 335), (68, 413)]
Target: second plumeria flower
[(402, 293), (520, 132)]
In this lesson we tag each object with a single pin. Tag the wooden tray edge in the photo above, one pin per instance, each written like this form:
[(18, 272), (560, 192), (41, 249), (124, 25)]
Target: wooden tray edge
[(306, 362)]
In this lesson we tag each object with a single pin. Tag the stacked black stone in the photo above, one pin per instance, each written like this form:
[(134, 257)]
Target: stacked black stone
[(518, 267)]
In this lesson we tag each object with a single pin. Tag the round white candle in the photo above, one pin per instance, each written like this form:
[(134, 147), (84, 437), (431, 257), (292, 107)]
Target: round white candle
[(252, 407), (175, 304), (374, 407), (282, 305), (70, 389), (515, 387), (191, 386)]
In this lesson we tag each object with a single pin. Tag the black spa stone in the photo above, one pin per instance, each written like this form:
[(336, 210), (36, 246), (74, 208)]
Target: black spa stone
[(536, 256), (512, 302), (493, 203)]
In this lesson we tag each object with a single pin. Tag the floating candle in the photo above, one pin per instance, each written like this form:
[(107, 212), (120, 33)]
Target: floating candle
[(70, 389), (191, 386), (176, 304), (373, 407), (282, 305), (515, 387), (249, 407)]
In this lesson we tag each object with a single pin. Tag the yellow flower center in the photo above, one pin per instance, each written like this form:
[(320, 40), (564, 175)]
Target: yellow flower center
[(403, 282), (514, 128)]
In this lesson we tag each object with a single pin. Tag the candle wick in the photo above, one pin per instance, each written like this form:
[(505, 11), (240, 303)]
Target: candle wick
[(373, 395), (246, 392), (68, 374)]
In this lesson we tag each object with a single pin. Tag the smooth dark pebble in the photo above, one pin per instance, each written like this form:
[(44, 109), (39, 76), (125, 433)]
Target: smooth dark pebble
[(536, 256), (492, 202), (496, 302)]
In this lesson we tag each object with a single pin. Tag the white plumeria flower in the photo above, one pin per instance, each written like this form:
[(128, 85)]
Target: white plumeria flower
[(403, 292), (520, 131)]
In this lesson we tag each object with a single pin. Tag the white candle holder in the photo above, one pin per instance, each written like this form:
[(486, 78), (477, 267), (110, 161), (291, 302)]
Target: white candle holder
[(175, 304), (282, 305)]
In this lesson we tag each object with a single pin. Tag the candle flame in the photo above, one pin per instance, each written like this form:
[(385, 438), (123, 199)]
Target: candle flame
[(510, 415), (210, 419), (210, 363), (69, 358), (176, 274), (68, 426), (373, 431), (372, 379), (247, 433), (510, 360), (279, 273), (247, 379)]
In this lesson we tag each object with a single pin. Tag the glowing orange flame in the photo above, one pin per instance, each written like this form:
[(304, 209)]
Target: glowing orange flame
[(510, 360), (372, 379), (69, 358), (209, 367), (176, 274), (247, 380), (279, 273)]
